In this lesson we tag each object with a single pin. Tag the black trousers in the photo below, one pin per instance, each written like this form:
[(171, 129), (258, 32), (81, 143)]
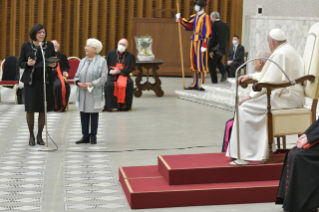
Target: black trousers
[(214, 62), (85, 121), (231, 69)]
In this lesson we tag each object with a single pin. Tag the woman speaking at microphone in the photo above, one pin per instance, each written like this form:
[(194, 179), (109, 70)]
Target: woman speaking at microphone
[(30, 57)]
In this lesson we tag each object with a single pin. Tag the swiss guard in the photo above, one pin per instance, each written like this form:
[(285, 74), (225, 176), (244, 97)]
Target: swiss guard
[(199, 23)]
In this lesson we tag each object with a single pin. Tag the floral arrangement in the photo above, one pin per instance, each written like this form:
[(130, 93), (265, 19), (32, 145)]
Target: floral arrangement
[(144, 47)]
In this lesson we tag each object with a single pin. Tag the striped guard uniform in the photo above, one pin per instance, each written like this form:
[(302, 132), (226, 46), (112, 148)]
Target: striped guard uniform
[(200, 25)]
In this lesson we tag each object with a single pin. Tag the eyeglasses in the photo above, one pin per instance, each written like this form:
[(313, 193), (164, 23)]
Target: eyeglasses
[(42, 32)]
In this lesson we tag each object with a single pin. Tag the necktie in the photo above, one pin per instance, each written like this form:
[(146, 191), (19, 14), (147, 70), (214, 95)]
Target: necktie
[(234, 52)]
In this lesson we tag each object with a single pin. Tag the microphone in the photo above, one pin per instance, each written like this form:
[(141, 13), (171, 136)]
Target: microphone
[(46, 148), (40, 43)]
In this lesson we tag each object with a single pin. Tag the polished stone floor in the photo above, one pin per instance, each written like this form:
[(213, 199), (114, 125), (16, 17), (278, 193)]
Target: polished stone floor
[(84, 177)]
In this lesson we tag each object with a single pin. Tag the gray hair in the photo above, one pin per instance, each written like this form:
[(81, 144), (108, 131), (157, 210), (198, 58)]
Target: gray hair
[(215, 14), (263, 54), (95, 44)]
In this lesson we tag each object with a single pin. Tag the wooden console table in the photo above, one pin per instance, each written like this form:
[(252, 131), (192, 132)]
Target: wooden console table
[(156, 87)]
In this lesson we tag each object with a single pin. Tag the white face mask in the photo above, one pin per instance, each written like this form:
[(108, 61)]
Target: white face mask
[(197, 8), (121, 48)]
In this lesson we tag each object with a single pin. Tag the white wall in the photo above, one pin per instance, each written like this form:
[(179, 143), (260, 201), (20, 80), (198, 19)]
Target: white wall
[(291, 8), (295, 17)]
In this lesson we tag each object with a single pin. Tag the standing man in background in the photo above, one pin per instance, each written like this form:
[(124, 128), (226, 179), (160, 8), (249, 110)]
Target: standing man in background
[(217, 47), (235, 57)]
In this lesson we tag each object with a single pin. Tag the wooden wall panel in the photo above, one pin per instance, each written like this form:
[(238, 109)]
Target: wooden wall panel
[(72, 22), (13, 30)]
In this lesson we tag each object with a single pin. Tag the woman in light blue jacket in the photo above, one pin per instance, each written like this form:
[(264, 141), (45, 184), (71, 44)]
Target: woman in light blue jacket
[(90, 79)]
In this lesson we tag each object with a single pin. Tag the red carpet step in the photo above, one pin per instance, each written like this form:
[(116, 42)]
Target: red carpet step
[(213, 168), (144, 188)]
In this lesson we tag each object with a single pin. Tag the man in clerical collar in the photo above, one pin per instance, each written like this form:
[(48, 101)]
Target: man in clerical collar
[(61, 88), (119, 86)]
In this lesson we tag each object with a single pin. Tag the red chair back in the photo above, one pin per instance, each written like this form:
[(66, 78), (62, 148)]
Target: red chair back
[(74, 64)]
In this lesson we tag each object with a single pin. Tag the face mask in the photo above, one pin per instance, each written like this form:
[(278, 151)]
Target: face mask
[(235, 42), (197, 8), (121, 48)]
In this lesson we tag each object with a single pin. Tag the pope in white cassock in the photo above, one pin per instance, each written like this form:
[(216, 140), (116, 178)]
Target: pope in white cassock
[(253, 109)]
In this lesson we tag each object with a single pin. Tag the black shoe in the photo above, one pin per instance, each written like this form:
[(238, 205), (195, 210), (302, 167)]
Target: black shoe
[(40, 141), (224, 78), (190, 88), (201, 89), (83, 141), (31, 142), (93, 140)]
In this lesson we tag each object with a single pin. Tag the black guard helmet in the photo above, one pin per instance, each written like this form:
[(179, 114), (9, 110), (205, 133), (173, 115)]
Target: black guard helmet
[(201, 3)]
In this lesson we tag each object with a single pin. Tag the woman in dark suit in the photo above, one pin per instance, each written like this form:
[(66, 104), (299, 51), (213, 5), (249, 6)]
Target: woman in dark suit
[(30, 57)]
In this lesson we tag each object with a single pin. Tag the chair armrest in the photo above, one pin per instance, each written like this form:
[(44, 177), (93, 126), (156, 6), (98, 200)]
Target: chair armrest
[(260, 86), (247, 82)]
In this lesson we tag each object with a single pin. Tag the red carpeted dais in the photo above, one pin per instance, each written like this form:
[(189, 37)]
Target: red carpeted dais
[(199, 179)]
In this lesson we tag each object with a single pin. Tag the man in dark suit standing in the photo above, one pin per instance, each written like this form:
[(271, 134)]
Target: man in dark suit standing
[(235, 57), (217, 47)]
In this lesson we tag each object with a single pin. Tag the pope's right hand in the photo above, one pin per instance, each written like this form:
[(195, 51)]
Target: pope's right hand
[(243, 79), (177, 16)]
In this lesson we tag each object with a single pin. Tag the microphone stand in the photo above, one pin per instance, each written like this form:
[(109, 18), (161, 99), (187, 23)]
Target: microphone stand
[(46, 148), (239, 161)]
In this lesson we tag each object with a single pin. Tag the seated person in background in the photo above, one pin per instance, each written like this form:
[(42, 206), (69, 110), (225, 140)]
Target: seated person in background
[(252, 110), (259, 64), (235, 57), (118, 88), (299, 184), (61, 88)]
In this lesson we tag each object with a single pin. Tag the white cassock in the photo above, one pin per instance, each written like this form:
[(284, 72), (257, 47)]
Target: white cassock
[(253, 113)]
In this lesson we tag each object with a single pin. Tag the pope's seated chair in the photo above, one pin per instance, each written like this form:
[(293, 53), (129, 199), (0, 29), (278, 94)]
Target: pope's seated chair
[(284, 122)]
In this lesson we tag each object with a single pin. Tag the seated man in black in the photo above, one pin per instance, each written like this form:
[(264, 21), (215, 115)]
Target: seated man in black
[(118, 88), (299, 184), (235, 57)]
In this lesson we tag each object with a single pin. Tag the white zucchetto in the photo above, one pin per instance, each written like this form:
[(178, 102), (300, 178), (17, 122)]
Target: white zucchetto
[(277, 34)]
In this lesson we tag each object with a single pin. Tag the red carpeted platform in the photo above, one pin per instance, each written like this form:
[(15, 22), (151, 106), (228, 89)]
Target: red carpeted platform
[(148, 187), (213, 168)]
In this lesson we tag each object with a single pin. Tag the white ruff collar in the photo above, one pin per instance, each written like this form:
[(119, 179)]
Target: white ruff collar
[(200, 12)]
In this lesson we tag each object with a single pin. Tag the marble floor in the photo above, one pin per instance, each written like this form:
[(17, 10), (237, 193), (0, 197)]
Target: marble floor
[(84, 177)]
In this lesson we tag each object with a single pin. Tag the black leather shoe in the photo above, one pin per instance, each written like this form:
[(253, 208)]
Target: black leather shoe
[(31, 142), (83, 141), (201, 89), (190, 88), (224, 78), (40, 141), (93, 140)]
